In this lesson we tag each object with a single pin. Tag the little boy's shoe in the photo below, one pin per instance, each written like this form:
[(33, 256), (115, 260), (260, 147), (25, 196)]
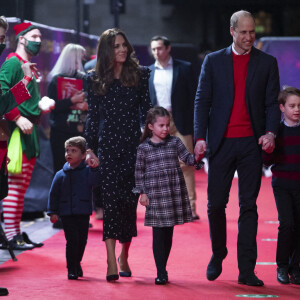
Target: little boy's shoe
[(295, 277), (283, 276)]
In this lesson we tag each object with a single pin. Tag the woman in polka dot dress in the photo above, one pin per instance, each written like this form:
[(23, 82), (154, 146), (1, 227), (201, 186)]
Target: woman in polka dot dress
[(118, 99)]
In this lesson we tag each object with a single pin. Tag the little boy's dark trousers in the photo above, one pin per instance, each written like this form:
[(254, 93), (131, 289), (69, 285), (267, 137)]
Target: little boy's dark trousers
[(288, 244), (76, 229), (162, 243)]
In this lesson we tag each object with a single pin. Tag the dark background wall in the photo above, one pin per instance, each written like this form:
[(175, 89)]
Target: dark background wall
[(202, 23)]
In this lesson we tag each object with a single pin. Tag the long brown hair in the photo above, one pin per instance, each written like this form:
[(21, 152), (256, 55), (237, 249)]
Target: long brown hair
[(105, 62), (153, 113)]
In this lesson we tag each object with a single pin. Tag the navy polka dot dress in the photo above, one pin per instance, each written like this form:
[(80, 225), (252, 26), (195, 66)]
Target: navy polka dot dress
[(113, 130)]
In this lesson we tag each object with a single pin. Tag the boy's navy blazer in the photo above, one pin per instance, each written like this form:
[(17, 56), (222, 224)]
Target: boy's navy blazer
[(182, 95), (215, 94)]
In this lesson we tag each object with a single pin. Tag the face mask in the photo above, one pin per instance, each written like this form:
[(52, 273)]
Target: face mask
[(2, 47), (33, 48)]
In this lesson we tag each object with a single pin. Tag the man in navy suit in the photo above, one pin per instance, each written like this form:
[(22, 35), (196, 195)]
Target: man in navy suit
[(171, 86), (236, 116)]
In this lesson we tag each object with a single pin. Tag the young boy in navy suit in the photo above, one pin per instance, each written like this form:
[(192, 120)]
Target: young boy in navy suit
[(70, 198)]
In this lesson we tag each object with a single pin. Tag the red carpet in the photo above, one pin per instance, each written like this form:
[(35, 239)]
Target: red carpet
[(41, 273)]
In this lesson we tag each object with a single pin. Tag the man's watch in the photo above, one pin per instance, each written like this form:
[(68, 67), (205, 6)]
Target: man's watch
[(272, 133)]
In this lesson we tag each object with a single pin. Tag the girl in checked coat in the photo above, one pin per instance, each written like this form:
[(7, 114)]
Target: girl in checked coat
[(160, 182)]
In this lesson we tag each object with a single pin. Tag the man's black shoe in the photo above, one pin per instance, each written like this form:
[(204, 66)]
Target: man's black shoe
[(3, 291), (17, 243), (295, 277), (28, 241), (214, 268), (250, 279), (283, 276)]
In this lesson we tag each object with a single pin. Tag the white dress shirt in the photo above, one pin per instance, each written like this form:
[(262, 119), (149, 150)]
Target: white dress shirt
[(162, 81)]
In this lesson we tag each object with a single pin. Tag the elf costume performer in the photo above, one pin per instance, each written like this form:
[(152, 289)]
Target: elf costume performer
[(25, 117)]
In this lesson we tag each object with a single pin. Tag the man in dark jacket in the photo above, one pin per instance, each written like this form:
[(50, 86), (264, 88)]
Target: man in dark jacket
[(236, 116)]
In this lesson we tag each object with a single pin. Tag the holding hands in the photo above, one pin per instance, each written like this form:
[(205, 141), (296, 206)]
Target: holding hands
[(200, 149), (91, 159), (268, 142)]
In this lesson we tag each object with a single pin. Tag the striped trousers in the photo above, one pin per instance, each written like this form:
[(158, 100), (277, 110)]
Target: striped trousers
[(14, 202)]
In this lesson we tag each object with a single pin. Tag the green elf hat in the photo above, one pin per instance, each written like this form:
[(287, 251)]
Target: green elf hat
[(23, 28)]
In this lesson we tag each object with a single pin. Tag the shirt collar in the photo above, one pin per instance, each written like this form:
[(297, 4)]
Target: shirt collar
[(236, 53), (296, 125), (159, 66)]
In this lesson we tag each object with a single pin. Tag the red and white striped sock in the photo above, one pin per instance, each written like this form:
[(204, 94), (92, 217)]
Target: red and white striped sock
[(13, 204)]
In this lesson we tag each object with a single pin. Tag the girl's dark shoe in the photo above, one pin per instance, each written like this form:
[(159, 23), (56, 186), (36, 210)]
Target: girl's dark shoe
[(160, 281), (112, 277), (72, 276)]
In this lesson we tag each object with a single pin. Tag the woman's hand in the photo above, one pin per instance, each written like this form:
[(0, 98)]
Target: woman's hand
[(144, 200), (83, 106), (91, 159), (78, 97)]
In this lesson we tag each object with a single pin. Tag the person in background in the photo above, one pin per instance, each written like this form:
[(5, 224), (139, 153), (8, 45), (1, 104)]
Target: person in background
[(9, 100), (171, 85), (285, 162), (236, 116), (25, 117), (68, 117), (118, 99), (70, 197)]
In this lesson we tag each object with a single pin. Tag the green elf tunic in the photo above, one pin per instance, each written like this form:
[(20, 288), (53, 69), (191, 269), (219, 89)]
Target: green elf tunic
[(10, 74)]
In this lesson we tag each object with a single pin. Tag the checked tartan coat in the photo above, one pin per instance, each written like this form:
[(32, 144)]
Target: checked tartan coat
[(158, 174)]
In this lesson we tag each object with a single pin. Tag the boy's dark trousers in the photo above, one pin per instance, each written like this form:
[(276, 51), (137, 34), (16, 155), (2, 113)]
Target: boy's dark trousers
[(288, 243), (162, 243), (76, 229)]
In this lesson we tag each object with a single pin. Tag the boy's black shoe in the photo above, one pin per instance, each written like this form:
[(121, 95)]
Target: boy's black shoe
[(3, 291), (17, 243), (250, 279), (295, 277), (283, 276)]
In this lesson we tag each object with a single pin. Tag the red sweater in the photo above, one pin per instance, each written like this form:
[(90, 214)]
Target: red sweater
[(239, 124)]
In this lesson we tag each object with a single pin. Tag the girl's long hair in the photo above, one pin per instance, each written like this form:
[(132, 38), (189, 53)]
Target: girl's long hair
[(69, 61), (104, 70), (153, 113)]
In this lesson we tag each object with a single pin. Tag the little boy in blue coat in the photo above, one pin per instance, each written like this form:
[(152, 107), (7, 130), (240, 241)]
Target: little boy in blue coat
[(70, 198)]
